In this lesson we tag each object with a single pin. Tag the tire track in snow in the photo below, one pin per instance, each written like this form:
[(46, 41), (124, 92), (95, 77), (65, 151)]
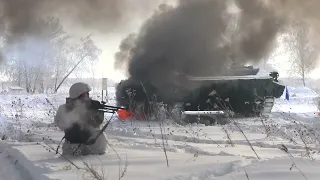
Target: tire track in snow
[(258, 143), (211, 174), (172, 147), (10, 168)]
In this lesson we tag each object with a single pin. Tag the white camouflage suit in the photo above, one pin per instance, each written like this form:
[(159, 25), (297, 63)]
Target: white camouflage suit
[(77, 112)]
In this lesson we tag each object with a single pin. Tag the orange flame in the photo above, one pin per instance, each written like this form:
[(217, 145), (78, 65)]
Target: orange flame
[(124, 114), (127, 115)]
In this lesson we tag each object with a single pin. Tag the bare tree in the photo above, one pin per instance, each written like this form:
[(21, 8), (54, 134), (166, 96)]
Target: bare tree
[(60, 63), (87, 51), (48, 55), (30, 60), (303, 51)]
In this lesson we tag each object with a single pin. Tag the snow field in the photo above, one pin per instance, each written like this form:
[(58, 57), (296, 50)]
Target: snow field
[(194, 151)]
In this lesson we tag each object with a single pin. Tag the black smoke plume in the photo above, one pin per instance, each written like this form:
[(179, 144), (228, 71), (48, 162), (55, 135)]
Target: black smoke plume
[(197, 38)]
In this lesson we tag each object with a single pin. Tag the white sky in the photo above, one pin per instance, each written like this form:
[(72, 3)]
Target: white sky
[(105, 67)]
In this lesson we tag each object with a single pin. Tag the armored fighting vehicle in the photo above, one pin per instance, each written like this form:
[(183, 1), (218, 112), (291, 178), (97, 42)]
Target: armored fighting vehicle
[(240, 91)]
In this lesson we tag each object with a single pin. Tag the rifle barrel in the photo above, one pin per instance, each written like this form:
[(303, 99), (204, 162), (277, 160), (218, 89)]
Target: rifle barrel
[(113, 107)]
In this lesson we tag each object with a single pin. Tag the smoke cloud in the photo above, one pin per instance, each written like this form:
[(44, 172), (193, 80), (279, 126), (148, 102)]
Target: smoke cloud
[(296, 10), (259, 27), (1, 57), (20, 16), (199, 38)]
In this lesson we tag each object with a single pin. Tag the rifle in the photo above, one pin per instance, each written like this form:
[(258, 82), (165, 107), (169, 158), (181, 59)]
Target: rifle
[(97, 105), (101, 106)]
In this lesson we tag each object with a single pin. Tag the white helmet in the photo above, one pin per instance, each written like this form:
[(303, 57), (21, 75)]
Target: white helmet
[(77, 89)]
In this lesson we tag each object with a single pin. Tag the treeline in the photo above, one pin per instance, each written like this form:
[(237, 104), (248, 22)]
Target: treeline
[(45, 58)]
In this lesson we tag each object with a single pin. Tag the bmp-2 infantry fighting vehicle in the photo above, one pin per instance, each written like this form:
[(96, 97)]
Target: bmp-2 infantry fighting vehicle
[(241, 91)]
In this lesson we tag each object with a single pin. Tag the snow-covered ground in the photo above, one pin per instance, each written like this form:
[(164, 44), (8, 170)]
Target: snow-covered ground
[(284, 146), (302, 100)]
